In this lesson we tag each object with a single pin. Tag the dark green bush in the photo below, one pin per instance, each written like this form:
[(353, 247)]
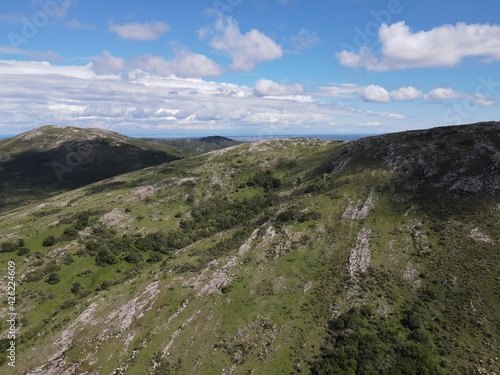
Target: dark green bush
[(23, 251), (53, 278), (49, 241)]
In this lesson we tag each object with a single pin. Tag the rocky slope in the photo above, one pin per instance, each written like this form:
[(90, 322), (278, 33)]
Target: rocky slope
[(377, 256)]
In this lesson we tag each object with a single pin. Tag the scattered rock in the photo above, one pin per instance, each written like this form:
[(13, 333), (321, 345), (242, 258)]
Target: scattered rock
[(478, 236), (359, 260)]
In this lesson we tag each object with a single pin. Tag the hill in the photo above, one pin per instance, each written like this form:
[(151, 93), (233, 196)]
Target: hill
[(196, 146), (376, 256), (52, 159)]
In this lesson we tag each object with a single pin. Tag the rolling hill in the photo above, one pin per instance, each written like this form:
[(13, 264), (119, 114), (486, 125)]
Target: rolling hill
[(52, 159), (376, 256)]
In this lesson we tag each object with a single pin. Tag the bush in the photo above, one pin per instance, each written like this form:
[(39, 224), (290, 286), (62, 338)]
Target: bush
[(33, 276), (53, 278), (75, 288), (23, 251), (8, 247), (264, 179), (68, 259), (360, 342), (69, 234), (105, 257), (49, 241), (133, 257), (155, 258)]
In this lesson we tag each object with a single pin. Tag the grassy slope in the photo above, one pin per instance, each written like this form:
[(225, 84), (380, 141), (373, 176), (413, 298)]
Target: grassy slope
[(51, 159), (216, 305)]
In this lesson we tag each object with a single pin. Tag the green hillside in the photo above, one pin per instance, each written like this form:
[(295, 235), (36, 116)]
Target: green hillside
[(52, 159), (376, 256)]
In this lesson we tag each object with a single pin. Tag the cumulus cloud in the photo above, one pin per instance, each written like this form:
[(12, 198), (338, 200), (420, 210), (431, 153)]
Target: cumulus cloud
[(184, 64), (139, 31), (375, 93), (447, 93), (246, 50), (108, 64), (265, 87), (446, 45), (406, 94), (444, 93)]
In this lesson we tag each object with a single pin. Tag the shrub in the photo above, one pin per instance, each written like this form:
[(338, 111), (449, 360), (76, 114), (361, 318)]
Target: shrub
[(49, 241), (23, 251), (133, 257), (75, 288), (105, 257), (33, 276), (155, 258), (8, 247), (53, 278)]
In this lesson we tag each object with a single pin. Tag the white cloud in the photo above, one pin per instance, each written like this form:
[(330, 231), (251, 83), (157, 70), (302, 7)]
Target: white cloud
[(304, 39), (483, 101), (342, 90), (372, 123), (444, 93), (374, 93), (75, 24), (446, 45), (246, 50), (140, 31), (108, 64), (184, 64), (35, 93), (406, 94), (447, 93), (265, 87)]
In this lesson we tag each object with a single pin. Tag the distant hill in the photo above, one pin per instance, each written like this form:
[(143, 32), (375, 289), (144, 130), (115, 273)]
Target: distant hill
[(197, 146), (52, 159), (296, 256)]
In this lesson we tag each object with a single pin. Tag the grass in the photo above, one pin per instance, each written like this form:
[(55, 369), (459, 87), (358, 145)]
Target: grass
[(273, 311)]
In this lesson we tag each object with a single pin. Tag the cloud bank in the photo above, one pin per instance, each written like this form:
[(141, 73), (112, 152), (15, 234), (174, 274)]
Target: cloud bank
[(443, 46)]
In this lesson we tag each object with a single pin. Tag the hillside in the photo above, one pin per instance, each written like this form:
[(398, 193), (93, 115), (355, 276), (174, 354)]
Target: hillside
[(376, 256), (53, 159), (196, 146)]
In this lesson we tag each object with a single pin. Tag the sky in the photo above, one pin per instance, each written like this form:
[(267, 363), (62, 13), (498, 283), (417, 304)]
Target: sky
[(248, 67)]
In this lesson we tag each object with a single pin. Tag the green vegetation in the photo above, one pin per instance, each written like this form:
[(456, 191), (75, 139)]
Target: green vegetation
[(377, 256)]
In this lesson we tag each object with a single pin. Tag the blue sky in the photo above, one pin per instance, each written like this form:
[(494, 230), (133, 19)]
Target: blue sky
[(248, 67)]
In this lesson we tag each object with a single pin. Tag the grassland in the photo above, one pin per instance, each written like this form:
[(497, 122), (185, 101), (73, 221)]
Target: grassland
[(378, 256)]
